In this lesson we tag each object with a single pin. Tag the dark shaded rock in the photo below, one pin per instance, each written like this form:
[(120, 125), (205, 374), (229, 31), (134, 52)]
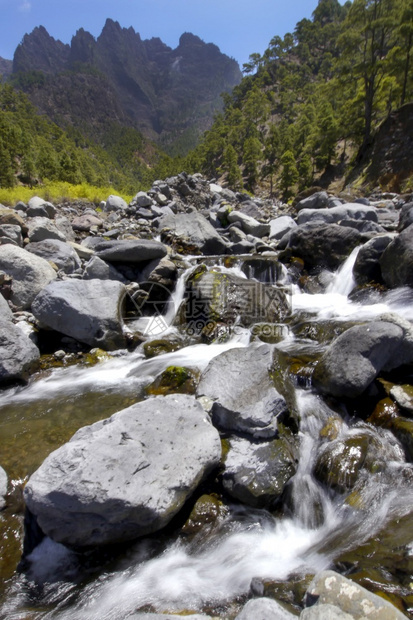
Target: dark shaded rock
[(126, 476), (321, 245), (367, 266), (87, 310), (339, 462), (357, 356), (318, 200), (98, 269), (133, 251), (406, 216), (397, 260), (347, 211)]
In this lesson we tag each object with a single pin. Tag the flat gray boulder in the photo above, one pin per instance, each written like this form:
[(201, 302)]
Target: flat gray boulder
[(30, 274), (318, 200), (127, 476), (357, 356), (18, 354), (245, 399), (88, 310), (256, 472), (249, 225), (130, 251), (264, 609), (333, 589), (350, 210), (58, 252), (194, 231), (84, 223)]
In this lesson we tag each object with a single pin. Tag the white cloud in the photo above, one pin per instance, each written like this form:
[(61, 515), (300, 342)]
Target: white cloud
[(25, 6)]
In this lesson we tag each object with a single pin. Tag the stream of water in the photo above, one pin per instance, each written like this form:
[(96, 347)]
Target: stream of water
[(204, 573)]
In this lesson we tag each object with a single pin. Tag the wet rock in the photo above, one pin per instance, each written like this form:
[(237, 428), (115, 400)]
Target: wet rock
[(3, 488), (30, 274), (245, 399), (153, 348), (265, 269), (98, 269), (57, 252), (397, 260), (356, 357), (324, 612), (18, 355), (264, 609), (367, 266), (340, 461), (205, 514), (334, 589), (130, 251), (212, 296), (127, 476), (321, 245), (174, 380), (403, 395), (256, 473), (41, 228), (192, 230), (87, 310)]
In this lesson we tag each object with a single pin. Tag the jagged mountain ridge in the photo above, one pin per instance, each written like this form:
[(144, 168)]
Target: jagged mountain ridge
[(169, 94)]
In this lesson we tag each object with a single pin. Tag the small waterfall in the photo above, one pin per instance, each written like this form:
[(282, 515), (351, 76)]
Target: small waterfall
[(343, 281)]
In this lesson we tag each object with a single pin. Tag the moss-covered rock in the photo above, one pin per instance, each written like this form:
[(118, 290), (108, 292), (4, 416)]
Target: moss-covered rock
[(339, 463), (153, 348), (207, 510), (174, 380)]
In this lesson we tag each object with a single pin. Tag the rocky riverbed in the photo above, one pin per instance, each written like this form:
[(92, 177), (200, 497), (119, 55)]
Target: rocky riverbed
[(207, 406)]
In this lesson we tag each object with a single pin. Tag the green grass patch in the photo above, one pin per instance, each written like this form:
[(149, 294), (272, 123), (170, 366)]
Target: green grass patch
[(59, 191)]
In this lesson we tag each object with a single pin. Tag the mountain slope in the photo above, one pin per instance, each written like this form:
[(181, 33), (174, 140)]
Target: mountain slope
[(169, 95)]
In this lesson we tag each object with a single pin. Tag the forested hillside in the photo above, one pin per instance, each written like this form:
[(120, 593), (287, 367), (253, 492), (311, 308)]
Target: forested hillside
[(308, 108), (34, 150)]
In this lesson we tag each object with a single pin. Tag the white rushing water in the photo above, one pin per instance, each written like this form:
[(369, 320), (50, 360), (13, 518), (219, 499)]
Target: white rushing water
[(249, 543)]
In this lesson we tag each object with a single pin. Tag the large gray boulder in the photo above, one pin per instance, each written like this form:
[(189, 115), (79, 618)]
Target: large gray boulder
[(264, 609), (41, 228), (212, 296), (98, 269), (331, 588), (37, 203), (127, 476), (256, 473), (193, 231), (396, 261), (350, 210), (10, 233), (357, 356), (249, 225), (87, 310), (115, 203), (5, 312), (324, 612), (130, 251), (58, 252), (318, 200), (280, 226), (18, 354), (245, 399), (83, 223), (367, 265), (30, 274), (321, 245)]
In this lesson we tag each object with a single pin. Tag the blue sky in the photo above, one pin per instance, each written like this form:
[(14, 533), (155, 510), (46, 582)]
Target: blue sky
[(238, 27)]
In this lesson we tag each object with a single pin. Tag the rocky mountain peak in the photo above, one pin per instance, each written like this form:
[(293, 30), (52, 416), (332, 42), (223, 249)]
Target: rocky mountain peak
[(50, 55)]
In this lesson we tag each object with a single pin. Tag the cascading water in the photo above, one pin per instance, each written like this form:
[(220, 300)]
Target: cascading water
[(210, 572)]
